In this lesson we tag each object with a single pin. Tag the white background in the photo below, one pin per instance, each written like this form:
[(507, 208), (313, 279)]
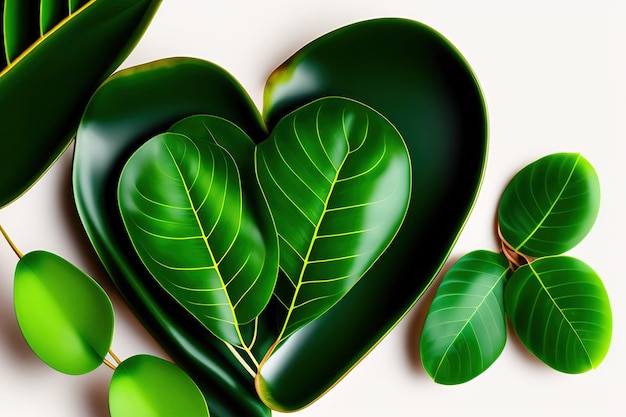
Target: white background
[(553, 77)]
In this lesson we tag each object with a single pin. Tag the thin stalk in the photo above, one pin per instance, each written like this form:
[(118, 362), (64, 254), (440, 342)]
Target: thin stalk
[(240, 359), (10, 242), (109, 364), (115, 358)]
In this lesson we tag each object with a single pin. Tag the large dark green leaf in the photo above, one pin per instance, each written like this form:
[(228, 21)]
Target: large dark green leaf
[(198, 221), (49, 78), (415, 78), (146, 386), (465, 329), (64, 315), (561, 312), (337, 178), (550, 205), (130, 108)]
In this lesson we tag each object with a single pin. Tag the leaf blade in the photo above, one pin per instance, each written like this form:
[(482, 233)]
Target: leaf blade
[(93, 41), (561, 312), (66, 318), (183, 196), (465, 329), (148, 386), (550, 205), (330, 234)]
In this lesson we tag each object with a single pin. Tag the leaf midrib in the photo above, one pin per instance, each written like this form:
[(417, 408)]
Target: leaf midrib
[(206, 243), (556, 305), (549, 211), (467, 322)]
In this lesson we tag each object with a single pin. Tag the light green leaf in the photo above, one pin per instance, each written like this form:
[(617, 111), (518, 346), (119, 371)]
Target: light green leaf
[(465, 329), (561, 312), (198, 221), (550, 205), (337, 178), (50, 67), (64, 315), (146, 386)]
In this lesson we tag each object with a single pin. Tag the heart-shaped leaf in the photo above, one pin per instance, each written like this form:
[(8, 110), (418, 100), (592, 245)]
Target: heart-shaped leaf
[(550, 205), (404, 70), (131, 107), (147, 386), (198, 221), (51, 69), (561, 312), (416, 79), (337, 178), (465, 329), (64, 315)]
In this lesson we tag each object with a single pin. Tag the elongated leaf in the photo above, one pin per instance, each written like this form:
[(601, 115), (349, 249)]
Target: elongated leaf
[(146, 386), (550, 205), (198, 222), (21, 26), (76, 4), (337, 178), (465, 329), (64, 315), (46, 85), (52, 12), (561, 312)]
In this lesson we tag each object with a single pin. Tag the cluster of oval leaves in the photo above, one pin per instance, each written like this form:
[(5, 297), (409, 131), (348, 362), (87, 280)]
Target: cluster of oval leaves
[(557, 304)]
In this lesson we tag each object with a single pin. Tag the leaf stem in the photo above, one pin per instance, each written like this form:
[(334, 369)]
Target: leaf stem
[(515, 258), (240, 359), (115, 357), (10, 242), (109, 364)]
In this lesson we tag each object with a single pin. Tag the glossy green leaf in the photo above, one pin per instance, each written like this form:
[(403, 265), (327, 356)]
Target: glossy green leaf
[(50, 78), (131, 107), (421, 83), (21, 26), (195, 215), (51, 12), (337, 178), (465, 329), (76, 4), (561, 312), (64, 315), (147, 386), (550, 205)]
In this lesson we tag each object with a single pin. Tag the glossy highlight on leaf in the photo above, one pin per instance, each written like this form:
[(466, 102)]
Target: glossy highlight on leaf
[(337, 178), (550, 205), (147, 386), (64, 315), (561, 311), (196, 226), (50, 70), (465, 329)]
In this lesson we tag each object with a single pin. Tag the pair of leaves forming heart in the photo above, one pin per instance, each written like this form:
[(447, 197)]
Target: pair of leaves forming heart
[(558, 305), (53, 56), (404, 70), (336, 177)]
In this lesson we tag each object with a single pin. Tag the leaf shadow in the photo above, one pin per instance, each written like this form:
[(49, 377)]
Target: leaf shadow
[(12, 337), (95, 396), (418, 316)]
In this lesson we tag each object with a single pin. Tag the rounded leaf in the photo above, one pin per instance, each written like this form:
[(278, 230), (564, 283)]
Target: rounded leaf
[(550, 205), (198, 221), (465, 329), (147, 386), (337, 178), (64, 315), (561, 312)]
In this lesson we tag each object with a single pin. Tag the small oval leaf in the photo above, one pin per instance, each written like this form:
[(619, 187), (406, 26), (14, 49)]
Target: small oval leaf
[(197, 219), (550, 205), (147, 386), (64, 315), (561, 312), (337, 177), (465, 329)]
